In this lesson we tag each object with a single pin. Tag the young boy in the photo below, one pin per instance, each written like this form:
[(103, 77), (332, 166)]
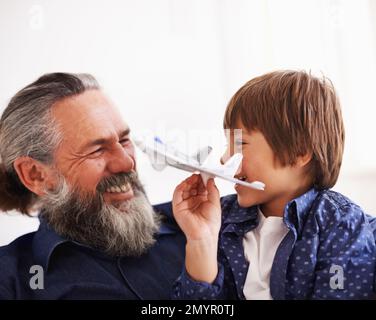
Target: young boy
[(297, 239)]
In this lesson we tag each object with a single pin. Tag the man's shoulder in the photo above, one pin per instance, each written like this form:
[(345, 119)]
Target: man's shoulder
[(18, 248), (164, 209), (169, 223), (15, 260)]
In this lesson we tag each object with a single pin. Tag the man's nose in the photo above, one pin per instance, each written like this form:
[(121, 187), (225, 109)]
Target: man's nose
[(120, 161)]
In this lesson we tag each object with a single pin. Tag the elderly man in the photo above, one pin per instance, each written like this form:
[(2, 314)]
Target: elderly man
[(66, 152)]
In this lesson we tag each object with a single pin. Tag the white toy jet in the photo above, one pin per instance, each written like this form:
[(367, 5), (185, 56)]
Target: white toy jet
[(162, 155)]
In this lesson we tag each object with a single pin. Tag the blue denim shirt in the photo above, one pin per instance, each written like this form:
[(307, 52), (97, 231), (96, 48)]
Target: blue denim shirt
[(73, 271), (328, 235)]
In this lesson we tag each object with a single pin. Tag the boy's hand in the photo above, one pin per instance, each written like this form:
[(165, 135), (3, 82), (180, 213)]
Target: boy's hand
[(197, 208)]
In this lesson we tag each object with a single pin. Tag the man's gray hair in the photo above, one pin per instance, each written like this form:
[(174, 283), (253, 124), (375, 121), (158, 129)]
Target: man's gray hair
[(27, 128)]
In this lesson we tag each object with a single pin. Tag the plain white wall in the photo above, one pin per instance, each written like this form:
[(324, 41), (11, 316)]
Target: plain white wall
[(173, 65)]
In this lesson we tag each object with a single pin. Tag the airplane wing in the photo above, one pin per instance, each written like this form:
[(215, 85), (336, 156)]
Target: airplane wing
[(254, 185), (226, 172), (207, 173)]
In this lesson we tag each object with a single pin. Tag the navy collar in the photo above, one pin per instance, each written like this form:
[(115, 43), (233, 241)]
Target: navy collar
[(294, 214), (297, 210), (240, 220), (45, 241), (238, 214)]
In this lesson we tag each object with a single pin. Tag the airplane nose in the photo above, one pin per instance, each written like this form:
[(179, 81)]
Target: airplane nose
[(237, 173)]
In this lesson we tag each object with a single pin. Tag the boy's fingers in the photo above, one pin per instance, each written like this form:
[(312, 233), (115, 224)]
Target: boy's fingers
[(193, 178), (213, 193), (190, 193), (186, 189), (181, 189), (177, 197), (191, 203), (190, 182), (193, 192), (186, 195), (201, 188)]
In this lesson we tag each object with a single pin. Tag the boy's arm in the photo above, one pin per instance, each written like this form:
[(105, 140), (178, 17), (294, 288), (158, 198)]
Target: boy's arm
[(187, 288), (201, 259), (197, 210)]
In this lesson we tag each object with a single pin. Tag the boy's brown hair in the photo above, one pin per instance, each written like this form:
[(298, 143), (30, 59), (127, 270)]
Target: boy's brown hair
[(298, 114)]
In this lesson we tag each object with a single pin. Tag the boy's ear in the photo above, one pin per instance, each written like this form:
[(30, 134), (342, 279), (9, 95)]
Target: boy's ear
[(34, 175), (304, 159)]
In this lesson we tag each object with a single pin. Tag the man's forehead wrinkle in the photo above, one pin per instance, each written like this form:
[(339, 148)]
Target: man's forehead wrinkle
[(91, 122), (85, 118), (88, 103)]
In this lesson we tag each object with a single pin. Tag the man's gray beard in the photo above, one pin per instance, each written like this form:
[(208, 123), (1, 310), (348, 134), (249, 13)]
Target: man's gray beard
[(126, 229)]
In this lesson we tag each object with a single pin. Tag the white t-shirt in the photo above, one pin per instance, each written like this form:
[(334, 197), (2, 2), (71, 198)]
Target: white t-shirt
[(260, 246)]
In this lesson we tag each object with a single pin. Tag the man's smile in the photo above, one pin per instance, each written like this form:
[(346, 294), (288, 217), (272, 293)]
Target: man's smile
[(119, 193)]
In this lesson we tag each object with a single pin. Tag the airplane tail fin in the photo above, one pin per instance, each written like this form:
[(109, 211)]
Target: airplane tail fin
[(157, 160), (232, 165), (228, 169), (202, 154)]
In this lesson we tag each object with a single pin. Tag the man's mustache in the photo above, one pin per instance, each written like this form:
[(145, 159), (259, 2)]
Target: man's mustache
[(120, 179)]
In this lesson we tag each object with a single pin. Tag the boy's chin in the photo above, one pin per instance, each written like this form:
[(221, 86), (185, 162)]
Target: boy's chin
[(246, 201)]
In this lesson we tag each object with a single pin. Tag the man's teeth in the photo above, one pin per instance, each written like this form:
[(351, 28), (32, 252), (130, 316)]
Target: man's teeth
[(118, 189), (243, 178)]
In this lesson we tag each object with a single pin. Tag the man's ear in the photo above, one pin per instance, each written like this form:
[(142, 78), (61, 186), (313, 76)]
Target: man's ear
[(34, 175)]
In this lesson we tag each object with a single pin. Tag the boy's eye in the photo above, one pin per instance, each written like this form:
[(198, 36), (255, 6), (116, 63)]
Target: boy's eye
[(240, 142)]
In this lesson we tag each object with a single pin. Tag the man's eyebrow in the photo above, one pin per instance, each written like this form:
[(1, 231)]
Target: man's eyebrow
[(101, 141)]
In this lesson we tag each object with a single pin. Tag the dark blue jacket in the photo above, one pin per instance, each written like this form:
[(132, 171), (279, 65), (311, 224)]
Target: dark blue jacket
[(72, 271)]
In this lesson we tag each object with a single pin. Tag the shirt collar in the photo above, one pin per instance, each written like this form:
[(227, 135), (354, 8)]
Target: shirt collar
[(238, 214), (44, 243), (297, 209), (240, 220), (294, 214)]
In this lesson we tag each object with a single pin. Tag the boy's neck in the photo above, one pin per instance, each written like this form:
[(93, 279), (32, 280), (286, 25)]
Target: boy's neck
[(276, 207)]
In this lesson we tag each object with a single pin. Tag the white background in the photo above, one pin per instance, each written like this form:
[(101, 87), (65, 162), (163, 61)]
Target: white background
[(174, 64)]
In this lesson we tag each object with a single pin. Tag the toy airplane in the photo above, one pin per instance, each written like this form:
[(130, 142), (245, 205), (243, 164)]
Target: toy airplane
[(162, 155)]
